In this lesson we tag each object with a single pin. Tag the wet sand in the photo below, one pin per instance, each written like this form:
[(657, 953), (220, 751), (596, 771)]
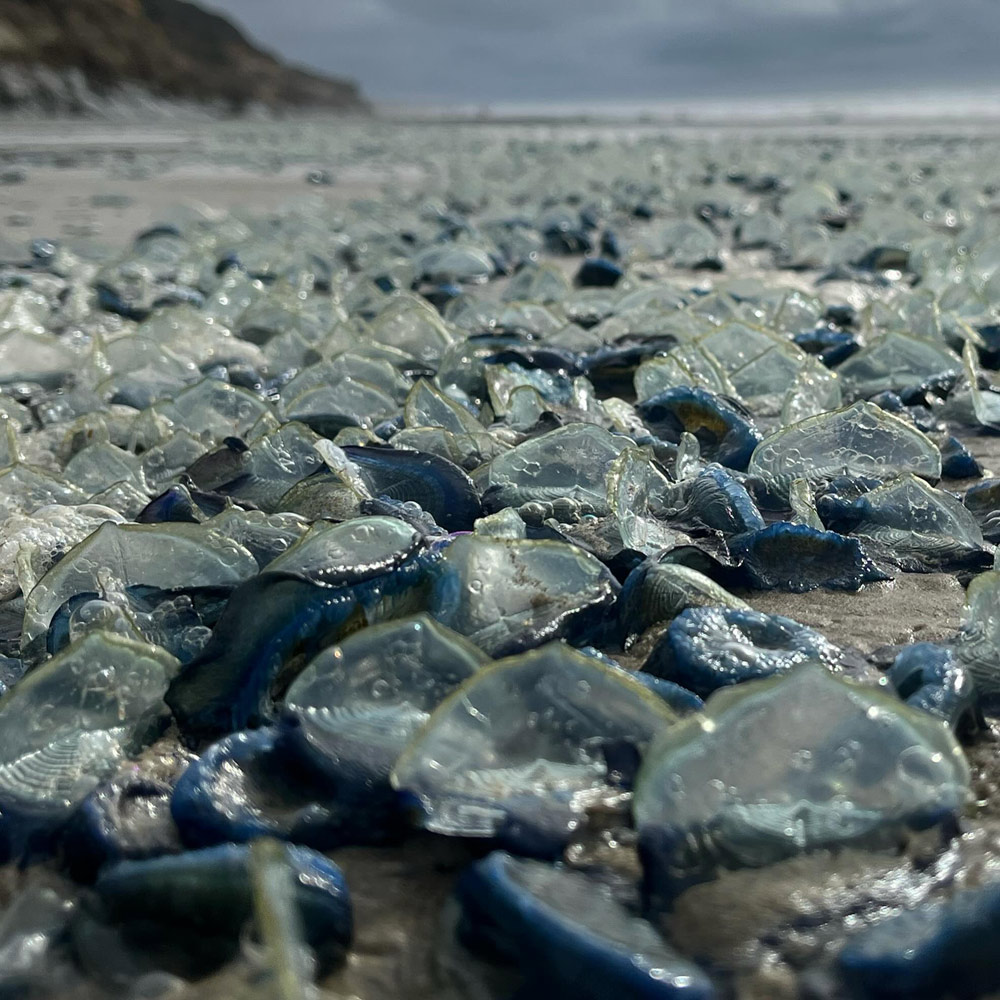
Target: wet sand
[(95, 187)]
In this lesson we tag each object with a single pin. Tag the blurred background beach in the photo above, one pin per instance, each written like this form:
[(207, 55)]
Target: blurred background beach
[(115, 112)]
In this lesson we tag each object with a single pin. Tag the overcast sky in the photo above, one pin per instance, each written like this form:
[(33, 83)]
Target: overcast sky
[(470, 51)]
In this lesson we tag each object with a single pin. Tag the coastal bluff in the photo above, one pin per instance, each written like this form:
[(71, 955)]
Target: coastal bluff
[(89, 56)]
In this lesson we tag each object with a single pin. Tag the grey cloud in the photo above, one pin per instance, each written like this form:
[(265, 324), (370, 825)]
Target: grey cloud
[(916, 45), (588, 50)]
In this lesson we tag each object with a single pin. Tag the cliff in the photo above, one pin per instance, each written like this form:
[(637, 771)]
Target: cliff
[(74, 56)]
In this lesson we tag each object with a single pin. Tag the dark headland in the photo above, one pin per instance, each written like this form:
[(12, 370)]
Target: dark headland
[(94, 56)]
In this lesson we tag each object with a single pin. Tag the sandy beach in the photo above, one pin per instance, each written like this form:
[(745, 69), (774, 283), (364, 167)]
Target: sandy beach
[(93, 187)]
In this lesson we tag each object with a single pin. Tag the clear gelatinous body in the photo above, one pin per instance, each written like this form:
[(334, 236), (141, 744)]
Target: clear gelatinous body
[(860, 440), (522, 749), (786, 765)]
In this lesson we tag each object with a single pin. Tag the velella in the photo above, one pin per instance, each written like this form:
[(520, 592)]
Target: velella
[(957, 462), (264, 536), (185, 913), (684, 365), (568, 463), (632, 484), (801, 500), (300, 599), (859, 440), (249, 785), (713, 501), (428, 406), (566, 930), (162, 556), (725, 434), (31, 543), (815, 390), (656, 592), (24, 489), (70, 723), (977, 639), (346, 554), (706, 648), (436, 484), (855, 766), (127, 817), (531, 743), (356, 705), (797, 558), (894, 361), (914, 526), (285, 955), (829, 344), (930, 676), (508, 595), (935, 948), (217, 409), (272, 465)]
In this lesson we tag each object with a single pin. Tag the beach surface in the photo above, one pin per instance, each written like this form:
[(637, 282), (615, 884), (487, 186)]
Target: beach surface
[(94, 186)]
